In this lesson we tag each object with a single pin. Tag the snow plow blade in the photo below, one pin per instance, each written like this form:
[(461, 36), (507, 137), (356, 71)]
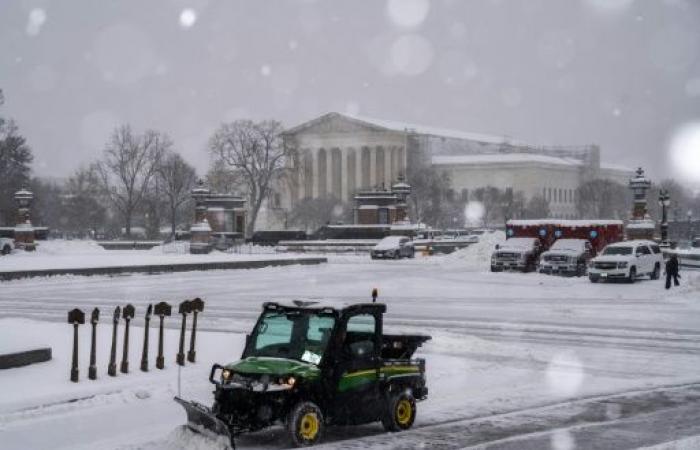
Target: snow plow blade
[(201, 420)]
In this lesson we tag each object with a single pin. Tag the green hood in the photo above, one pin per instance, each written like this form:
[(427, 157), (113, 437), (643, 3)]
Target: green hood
[(260, 365)]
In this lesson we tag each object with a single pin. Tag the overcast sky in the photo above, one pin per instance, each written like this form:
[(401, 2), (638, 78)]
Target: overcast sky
[(620, 73)]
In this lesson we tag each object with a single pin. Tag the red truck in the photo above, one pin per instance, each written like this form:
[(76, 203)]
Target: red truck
[(598, 232)]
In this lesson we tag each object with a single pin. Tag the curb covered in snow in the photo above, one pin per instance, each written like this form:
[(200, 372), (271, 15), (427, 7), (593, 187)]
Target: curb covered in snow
[(160, 268)]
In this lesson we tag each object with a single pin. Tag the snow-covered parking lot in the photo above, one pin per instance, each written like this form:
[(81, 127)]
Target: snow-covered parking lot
[(503, 344)]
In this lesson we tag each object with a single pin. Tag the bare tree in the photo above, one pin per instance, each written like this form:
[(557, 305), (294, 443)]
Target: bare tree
[(537, 208), (602, 199), (176, 179), (128, 165), (256, 153), (83, 207)]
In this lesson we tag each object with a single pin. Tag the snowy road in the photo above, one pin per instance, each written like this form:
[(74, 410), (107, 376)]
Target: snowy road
[(501, 342)]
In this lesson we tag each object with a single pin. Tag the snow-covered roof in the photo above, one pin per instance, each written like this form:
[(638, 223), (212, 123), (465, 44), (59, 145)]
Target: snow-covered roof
[(562, 222), (505, 158), (616, 167), (393, 125), (433, 131), (641, 225)]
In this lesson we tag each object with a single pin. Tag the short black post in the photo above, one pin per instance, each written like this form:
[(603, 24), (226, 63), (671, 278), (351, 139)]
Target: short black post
[(127, 315), (112, 369), (185, 308), (162, 309), (144, 355), (197, 307), (92, 370), (374, 295), (75, 317)]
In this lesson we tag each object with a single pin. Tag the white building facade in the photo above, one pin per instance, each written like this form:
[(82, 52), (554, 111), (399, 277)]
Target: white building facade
[(336, 155)]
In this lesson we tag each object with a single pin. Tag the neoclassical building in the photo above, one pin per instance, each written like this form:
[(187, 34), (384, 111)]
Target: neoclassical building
[(338, 155)]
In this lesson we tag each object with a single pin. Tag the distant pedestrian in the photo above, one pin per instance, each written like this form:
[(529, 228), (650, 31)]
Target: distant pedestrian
[(672, 271)]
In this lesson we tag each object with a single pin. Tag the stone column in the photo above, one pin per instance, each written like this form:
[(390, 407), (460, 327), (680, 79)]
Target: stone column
[(373, 168), (301, 175), (388, 166), (358, 168), (314, 172), (344, 173), (24, 230), (329, 172)]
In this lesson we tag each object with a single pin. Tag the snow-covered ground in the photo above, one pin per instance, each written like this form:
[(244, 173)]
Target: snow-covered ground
[(501, 342), (60, 254)]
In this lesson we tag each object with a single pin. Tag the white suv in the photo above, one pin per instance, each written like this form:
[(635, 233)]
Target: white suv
[(627, 260)]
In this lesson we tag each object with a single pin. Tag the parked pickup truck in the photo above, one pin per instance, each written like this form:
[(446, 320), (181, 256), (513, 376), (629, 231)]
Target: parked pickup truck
[(567, 257), (518, 253), (307, 366)]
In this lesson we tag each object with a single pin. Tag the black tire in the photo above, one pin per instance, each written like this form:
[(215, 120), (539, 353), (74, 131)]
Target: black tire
[(6, 250), (400, 412), (397, 254), (412, 253), (580, 270), (633, 275), (656, 274), (594, 279), (305, 424)]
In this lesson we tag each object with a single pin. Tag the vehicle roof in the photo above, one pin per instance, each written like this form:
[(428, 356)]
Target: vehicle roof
[(338, 307), (632, 242), (393, 238)]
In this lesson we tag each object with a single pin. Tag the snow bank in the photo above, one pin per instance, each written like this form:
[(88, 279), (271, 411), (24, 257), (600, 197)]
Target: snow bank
[(691, 443), (476, 257)]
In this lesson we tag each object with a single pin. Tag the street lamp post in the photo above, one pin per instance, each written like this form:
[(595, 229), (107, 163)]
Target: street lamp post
[(664, 202), (689, 214)]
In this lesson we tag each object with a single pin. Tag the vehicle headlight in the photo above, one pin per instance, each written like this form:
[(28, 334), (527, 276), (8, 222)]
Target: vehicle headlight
[(287, 381), (622, 265)]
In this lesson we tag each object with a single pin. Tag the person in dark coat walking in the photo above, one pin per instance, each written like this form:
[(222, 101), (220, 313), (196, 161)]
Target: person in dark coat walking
[(672, 271)]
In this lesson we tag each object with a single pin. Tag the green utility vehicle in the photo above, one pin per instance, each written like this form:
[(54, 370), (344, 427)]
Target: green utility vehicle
[(308, 366)]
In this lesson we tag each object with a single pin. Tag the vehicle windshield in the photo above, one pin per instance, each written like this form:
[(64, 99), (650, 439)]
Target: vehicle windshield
[(297, 334), (569, 244), (617, 251), (519, 243)]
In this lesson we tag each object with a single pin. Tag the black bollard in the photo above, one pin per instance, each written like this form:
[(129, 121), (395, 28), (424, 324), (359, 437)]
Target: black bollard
[(162, 309), (112, 369), (127, 315), (185, 308), (92, 370), (197, 306), (144, 355), (75, 317), (374, 295)]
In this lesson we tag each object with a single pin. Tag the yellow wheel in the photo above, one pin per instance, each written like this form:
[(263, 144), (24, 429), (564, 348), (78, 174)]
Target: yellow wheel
[(305, 424), (308, 426), (400, 412), (403, 412)]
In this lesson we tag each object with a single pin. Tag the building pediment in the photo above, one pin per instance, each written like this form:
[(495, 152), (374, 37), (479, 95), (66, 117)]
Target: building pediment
[(334, 123)]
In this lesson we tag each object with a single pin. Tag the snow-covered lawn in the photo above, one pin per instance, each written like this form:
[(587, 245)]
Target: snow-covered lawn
[(501, 342), (59, 254)]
